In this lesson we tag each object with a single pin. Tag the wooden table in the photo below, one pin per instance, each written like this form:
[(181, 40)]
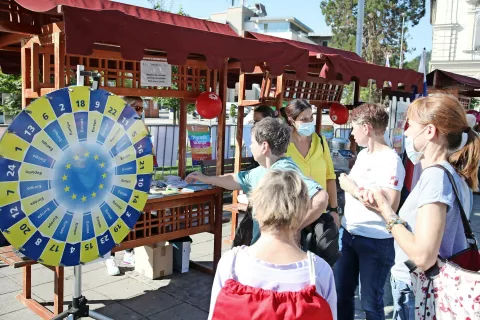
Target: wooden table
[(8, 256), (164, 219)]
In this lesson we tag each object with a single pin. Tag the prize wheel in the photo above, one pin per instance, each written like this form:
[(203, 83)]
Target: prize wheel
[(75, 172)]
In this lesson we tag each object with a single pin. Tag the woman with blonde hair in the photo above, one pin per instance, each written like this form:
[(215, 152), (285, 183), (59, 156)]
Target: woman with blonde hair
[(429, 223), (274, 278)]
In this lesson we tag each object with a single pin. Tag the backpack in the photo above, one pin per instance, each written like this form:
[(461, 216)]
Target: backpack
[(321, 238)]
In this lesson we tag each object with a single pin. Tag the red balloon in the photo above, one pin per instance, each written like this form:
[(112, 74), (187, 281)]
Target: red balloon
[(208, 105), (338, 113)]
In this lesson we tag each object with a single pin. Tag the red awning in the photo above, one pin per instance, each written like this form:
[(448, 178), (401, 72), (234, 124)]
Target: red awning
[(138, 12), (313, 49), (449, 79), (84, 28), (346, 66)]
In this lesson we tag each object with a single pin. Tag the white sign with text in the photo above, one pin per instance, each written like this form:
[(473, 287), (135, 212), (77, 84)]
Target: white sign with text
[(155, 74)]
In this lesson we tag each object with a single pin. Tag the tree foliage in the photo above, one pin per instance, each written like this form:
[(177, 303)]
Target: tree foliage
[(382, 29), (11, 85), (415, 62)]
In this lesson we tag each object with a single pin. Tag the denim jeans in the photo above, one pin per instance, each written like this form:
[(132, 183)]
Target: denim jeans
[(403, 300), (370, 258)]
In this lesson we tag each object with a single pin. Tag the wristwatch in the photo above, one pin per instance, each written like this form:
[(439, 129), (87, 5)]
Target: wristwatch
[(393, 222), (337, 210)]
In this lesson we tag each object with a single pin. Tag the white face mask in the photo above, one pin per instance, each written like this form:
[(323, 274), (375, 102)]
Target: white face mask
[(412, 154)]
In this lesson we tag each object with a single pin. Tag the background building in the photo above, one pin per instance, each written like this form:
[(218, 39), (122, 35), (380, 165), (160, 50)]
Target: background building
[(456, 36)]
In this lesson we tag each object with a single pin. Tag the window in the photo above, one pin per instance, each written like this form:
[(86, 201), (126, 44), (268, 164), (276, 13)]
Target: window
[(325, 43), (265, 27)]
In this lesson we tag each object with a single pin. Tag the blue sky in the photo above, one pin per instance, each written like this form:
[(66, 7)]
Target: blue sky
[(307, 11)]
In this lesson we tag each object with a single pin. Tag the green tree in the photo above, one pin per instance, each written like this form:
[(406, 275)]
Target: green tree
[(415, 62), (382, 29), (11, 85), (233, 111), (171, 103)]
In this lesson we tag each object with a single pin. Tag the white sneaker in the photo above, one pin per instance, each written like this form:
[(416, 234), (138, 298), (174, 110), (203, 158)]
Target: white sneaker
[(112, 268), (129, 259)]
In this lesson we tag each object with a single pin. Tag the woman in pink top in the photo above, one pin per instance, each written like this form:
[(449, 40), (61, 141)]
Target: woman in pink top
[(275, 264)]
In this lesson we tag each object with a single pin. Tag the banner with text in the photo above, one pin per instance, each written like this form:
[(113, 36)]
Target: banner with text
[(199, 137)]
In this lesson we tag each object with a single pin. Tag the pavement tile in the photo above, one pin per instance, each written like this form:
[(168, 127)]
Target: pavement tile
[(119, 312), (95, 300), (45, 291), (153, 283), (23, 314), (151, 302), (40, 276), (182, 311), (99, 277), (9, 304), (7, 285), (124, 289)]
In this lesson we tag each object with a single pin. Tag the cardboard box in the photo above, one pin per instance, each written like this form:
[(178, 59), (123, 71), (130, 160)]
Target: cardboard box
[(154, 261), (181, 256)]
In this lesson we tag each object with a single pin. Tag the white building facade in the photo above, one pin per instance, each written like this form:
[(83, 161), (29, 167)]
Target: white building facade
[(456, 36)]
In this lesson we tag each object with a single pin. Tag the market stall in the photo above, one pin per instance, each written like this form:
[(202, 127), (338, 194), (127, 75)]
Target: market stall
[(114, 40), (463, 87)]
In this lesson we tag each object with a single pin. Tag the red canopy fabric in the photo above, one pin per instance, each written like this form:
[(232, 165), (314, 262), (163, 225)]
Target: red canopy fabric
[(345, 66), (452, 79), (84, 28), (313, 49), (138, 12)]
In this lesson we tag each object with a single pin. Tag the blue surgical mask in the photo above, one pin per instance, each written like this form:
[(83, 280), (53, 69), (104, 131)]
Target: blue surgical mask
[(305, 129), (412, 154)]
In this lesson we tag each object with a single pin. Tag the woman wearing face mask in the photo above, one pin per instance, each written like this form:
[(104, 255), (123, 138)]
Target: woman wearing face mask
[(309, 153), (429, 222)]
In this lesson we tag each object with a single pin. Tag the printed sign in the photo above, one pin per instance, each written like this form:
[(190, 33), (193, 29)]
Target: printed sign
[(155, 74)]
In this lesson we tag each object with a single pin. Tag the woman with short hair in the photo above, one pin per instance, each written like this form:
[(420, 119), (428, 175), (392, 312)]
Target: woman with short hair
[(274, 278), (367, 247)]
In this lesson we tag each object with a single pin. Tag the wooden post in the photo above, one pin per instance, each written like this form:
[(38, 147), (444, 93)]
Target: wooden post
[(318, 124), (222, 93), (46, 68), (58, 290), (34, 69), (239, 134), (27, 282), (356, 99), (279, 93), (26, 65), (59, 51), (182, 139)]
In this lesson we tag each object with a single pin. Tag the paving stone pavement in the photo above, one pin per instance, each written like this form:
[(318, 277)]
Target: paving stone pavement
[(132, 296)]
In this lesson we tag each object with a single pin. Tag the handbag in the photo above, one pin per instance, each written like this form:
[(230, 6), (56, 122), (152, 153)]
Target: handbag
[(449, 289), (321, 238), (244, 232)]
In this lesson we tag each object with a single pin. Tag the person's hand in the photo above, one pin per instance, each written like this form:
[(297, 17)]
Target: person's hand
[(336, 218), (346, 183), (196, 176), (376, 200)]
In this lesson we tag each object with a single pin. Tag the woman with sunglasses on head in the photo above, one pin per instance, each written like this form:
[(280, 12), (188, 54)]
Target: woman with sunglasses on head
[(429, 223), (129, 257)]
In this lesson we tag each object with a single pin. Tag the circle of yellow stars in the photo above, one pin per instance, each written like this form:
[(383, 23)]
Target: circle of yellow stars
[(69, 166)]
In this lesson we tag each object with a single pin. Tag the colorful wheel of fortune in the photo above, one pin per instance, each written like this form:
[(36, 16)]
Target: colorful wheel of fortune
[(75, 172)]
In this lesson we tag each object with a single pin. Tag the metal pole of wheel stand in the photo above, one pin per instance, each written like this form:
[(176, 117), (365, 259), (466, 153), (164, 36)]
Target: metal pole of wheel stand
[(79, 307)]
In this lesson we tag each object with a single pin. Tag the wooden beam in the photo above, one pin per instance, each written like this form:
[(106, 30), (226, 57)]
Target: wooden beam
[(222, 118), (35, 66), (19, 28), (11, 38), (46, 69), (58, 281), (188, 95), (249, 103), (25, 68), (59, 51), (239, 135), (182, 139), (279, 93)]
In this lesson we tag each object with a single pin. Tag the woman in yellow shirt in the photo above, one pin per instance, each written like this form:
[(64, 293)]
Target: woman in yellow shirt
[(311, 154)]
